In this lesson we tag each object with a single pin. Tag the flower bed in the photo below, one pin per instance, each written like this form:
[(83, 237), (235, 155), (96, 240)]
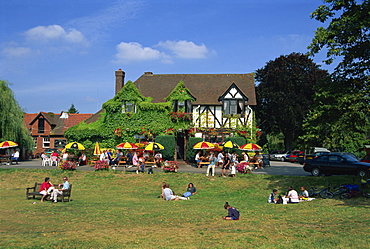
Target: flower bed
[(67, 165), (101, 165), (170, 166)]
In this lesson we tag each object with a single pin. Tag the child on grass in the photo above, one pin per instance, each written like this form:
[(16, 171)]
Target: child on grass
[(232, 213)]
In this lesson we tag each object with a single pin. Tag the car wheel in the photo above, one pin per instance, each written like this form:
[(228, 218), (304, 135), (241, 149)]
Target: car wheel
[(316, 172), (282, 159), (361, 173)]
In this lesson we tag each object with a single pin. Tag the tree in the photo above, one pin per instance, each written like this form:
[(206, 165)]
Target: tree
[(346, 37), (72, 109), (11, 119), (285, 94), (341, 117)]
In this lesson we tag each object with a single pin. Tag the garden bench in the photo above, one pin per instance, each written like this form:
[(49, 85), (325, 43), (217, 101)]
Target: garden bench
[(34, 191)]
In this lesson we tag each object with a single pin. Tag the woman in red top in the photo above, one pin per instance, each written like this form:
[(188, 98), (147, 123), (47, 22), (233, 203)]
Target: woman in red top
[(45, 188)]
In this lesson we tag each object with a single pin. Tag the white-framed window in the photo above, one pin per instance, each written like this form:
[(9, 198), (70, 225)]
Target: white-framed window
[(233, 106), (128, 107), (46, 142), (184, 106)]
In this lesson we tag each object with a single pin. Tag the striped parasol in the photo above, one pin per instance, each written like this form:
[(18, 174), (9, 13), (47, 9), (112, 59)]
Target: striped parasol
[(154, 146), (8, 144), (97, 150), (75, 146), (127, 146), (203, 146), (251, 146), (230, 145)]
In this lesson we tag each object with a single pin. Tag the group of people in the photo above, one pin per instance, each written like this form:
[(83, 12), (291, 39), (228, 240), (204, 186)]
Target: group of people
[(169, 195), (227, 162), (291, 197), (55, 158), (47, 188), (107, 155)]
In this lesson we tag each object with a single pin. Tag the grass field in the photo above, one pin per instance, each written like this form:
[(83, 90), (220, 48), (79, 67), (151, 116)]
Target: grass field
[(118, 210)]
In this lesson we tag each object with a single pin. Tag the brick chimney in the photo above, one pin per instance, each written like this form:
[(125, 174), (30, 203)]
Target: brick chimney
[(120, 80)]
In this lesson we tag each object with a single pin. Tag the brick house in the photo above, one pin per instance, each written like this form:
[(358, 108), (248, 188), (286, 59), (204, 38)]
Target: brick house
[(47, 129)]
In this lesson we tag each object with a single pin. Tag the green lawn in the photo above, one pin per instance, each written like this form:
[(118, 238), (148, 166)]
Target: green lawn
[(118, 210)]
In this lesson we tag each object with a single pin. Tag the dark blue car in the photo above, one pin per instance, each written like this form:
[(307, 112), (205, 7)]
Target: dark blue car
[(336, 164)]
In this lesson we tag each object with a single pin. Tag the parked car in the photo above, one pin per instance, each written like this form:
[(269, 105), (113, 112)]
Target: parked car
[(294, 155), (336, 164), (279, 155), (366, 159), (302, 157)]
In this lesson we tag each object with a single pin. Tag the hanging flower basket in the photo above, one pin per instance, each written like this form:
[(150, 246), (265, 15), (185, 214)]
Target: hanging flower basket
[(101, 165), (67, 165)]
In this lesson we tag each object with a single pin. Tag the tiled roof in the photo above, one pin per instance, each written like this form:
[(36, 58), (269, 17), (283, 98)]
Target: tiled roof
[(60, 124), (206, 88)]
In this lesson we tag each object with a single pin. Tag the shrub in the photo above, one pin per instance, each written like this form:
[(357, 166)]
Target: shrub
[(168, 141), (67, 165)]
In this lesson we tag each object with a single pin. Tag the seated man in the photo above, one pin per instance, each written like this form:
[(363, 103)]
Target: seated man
[(59, 191), (82, 159), (15, 156), (304, 194)]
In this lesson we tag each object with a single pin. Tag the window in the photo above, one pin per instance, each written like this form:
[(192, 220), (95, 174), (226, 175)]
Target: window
[(233, 106), (41, 125), (60, 143), (128, 107), (182, 106), (46, 142)]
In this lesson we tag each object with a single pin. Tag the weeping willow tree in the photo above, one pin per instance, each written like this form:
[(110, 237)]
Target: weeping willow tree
[(11, 119)]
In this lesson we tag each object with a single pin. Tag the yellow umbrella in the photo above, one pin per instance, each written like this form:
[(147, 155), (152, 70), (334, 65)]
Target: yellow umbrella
[(203, 146), (75, 146), (8, 144), (97, 150), (154, 146), (230, 145), (252, 147)]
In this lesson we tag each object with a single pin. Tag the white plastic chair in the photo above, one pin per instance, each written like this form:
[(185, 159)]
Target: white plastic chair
[(54, 160), (46, 162)]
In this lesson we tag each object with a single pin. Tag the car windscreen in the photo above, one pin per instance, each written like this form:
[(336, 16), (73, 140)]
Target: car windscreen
[(350, 158)]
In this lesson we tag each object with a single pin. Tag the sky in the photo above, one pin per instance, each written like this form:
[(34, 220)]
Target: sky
[(55, 53)]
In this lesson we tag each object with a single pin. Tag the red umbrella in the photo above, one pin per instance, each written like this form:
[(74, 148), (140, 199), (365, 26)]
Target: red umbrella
[(8, 144), (252, 147), (127, 146), (203, 146)]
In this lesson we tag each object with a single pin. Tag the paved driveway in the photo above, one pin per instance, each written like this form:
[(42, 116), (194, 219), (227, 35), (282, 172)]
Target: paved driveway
[(277, 168)]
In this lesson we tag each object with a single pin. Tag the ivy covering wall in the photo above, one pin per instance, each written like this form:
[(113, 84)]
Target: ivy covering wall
[(148, 120)]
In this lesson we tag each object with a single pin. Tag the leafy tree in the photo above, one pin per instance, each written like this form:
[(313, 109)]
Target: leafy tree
[(11, 119), (285, 94), (341, 117), (72, 109)]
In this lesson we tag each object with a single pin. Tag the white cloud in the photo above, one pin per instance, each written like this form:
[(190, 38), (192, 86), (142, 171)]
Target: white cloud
[(54, 32), (12, 52), (185, 49), (133, 52)]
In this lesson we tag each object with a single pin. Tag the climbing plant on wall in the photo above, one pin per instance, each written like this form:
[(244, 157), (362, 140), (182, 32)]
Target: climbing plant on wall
[(116, 124)]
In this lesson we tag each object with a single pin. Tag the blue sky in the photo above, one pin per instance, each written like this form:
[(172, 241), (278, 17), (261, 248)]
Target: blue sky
[(58, 52)]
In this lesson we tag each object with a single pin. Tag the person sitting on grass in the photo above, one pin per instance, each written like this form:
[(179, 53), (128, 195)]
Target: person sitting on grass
[(292, 196), (170, 196), (232, 213), (304, 194), (273, 198), (191, 190), (45, 188)]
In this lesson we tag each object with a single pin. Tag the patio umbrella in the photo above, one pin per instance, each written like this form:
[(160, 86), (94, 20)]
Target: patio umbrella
[(97, 150), (75, 146), (230, 145), (252, 147), (154, 146), (8, 144), (203, 146), (127, 146)]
